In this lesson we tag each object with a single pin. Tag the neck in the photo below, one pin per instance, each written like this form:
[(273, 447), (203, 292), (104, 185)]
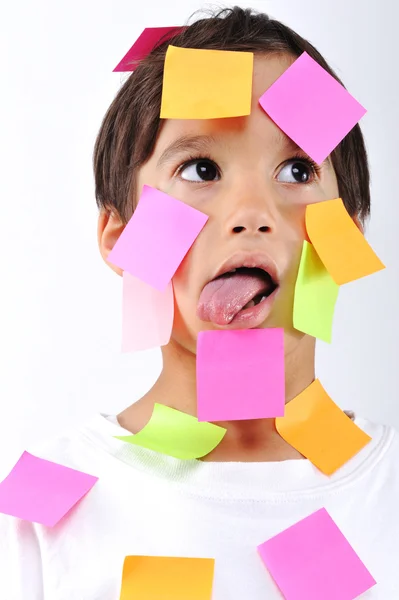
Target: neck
[(253, 440)]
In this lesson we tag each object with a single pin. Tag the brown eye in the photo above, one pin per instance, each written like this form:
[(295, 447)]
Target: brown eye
[(199, 170)]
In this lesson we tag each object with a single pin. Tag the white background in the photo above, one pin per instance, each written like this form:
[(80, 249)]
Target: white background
[(60, 315)]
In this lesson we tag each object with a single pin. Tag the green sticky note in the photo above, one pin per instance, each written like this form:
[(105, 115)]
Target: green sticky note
[(176, 434), (315, 296)]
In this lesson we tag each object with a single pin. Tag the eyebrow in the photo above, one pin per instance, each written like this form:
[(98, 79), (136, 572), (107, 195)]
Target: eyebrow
[(186, 143)]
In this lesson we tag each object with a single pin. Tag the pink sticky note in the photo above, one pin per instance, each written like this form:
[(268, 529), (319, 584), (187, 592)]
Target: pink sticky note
[(240, 374), (147, 315), (41, 491), (311, 107), (157, 237), (312, 559), (145, 43)]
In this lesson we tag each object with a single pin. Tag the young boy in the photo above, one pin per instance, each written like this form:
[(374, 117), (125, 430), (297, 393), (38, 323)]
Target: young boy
[(254, 184)]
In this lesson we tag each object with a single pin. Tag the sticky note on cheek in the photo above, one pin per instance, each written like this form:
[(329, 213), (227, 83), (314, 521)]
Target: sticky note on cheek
[(206, 84), (312, 559), (339, 243), (153, 577), (157, 238)]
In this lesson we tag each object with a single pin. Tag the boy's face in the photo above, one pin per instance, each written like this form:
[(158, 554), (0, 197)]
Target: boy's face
[(254, 184)]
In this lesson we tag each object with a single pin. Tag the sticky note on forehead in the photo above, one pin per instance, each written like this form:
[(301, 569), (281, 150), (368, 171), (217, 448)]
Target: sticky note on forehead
[(157, 237), (311, 107), (145, 43), (312, 559), (206, 84), (339, 243)]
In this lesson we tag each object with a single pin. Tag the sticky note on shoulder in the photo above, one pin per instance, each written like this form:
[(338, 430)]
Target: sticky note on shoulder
[(312, 559), (206, 84), (315, 426), (153, 577), (339, 243)]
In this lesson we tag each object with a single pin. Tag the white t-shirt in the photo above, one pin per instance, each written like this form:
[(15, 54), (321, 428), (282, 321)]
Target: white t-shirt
[(147, 503)]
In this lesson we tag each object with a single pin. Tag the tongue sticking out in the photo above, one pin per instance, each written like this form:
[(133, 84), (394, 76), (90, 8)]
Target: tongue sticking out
[(223, 298)]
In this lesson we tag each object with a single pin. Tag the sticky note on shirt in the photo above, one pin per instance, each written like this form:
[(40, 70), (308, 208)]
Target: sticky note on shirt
[(147, 315), (42, 491), (339, 243), (320, 430), (157, 237), (311, 107), (312, 560), (169, 577), (145, 43), (315, 296), (176, 434), (240, 374), (206, 84)]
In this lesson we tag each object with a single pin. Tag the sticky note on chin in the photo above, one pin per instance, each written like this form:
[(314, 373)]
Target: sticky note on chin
[(240, 374), (206, 84), (311, 107), (315, 426), (312, 559), (42, 491), (315, 296), (149, 38), (339, 243), (172, 432), (157, 237), (153, 577)]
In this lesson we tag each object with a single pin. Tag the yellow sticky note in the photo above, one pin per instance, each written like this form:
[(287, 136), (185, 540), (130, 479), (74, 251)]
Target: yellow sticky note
[(206, 84), (172, 432), (153, 577), (338, 241), (315, 296), (315, 426)]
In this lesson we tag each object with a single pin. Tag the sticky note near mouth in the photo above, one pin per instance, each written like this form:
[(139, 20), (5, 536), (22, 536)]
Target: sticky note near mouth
[(315, 426), (240, 374), (145, 43), (206, 84), (176, 434), (157, 237), (312, 559), (311, 107), (153, 577), (315, 296), (339, 243), (42, 491)]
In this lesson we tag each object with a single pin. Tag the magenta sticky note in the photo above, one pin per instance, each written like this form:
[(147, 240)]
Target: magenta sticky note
[(240, 374), (312, 560), (157, 237), (147, 315), (145, 43), (311, 107), (42, 491)]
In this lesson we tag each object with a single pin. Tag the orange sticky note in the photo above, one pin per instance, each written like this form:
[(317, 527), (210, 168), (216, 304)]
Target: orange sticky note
[(339, 243), (320, 430), (167, 577)]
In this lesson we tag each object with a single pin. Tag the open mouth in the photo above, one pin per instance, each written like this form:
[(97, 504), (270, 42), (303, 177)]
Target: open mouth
[(269, 285)]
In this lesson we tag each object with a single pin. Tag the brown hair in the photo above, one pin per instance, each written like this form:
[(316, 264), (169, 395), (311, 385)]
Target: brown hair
[(130, 127)]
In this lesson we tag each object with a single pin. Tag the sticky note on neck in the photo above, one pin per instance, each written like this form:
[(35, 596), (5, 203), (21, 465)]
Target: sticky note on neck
[(206, 84), (149, 38), (315, 426), (339, 243), (311, 107)]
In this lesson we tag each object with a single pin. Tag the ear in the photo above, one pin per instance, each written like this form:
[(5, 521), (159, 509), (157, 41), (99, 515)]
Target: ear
[(109, 228)]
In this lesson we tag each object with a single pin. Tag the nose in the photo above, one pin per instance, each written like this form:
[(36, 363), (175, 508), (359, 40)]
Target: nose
[(250, 212)]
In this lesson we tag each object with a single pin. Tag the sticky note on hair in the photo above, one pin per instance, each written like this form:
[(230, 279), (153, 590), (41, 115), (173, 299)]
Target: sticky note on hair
[(315, 426), (315, 296), (145, 43), (206, 84), (157, 237), (339, 243), (147, 315), (312, 559), (151, 577), (42, 491), (311, 107), (176, 434), (240, 374)]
